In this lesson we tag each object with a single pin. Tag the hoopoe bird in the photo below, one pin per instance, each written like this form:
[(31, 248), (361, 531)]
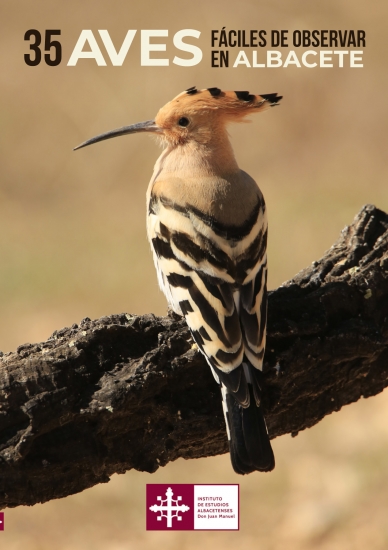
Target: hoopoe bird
[(207, 227)]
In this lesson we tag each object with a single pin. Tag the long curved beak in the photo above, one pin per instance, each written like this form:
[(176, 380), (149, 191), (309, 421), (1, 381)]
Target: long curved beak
[(147, 126)]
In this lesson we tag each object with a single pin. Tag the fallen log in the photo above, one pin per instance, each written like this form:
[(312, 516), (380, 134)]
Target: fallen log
[(127, 391)]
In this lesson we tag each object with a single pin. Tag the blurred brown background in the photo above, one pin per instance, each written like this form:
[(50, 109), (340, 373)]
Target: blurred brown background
[(73, 244)]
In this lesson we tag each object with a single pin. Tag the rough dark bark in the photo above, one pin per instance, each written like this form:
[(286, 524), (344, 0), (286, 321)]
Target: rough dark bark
[(130, 391)]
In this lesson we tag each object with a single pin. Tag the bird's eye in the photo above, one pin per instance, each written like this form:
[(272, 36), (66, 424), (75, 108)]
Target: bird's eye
[(183, 121)]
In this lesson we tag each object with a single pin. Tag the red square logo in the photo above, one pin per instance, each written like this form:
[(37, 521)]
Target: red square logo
[(1, 521), (170, 507), (187, 507)]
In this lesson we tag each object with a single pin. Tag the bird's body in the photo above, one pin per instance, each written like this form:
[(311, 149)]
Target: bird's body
[(218, 241), (207, 226)]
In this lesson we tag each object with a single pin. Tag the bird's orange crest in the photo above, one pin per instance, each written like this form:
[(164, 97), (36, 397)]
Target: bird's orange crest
[(195, 114), (233, 105)]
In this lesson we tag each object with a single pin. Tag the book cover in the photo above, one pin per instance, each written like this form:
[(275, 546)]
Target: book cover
[(73, 238)]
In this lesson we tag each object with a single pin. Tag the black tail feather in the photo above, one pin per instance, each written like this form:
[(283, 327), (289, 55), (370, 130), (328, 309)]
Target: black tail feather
[(250, 447), (238, 453)]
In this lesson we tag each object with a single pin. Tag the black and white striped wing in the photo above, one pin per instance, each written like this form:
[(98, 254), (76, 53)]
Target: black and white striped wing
[(218, 294), (219, 284)]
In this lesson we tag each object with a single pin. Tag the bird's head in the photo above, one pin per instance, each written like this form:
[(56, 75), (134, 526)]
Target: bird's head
[(196, 115)]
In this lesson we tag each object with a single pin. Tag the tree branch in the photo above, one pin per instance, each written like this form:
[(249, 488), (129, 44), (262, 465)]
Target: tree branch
[(130, 391)]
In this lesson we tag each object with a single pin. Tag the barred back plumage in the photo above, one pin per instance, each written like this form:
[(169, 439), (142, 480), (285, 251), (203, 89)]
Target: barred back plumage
[(207, 227)]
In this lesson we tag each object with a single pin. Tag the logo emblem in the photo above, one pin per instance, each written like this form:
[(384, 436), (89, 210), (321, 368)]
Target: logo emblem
[(188, 507), (169, 507)]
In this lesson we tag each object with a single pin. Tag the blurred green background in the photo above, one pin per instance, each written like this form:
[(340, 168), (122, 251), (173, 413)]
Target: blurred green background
[(73, 243)]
